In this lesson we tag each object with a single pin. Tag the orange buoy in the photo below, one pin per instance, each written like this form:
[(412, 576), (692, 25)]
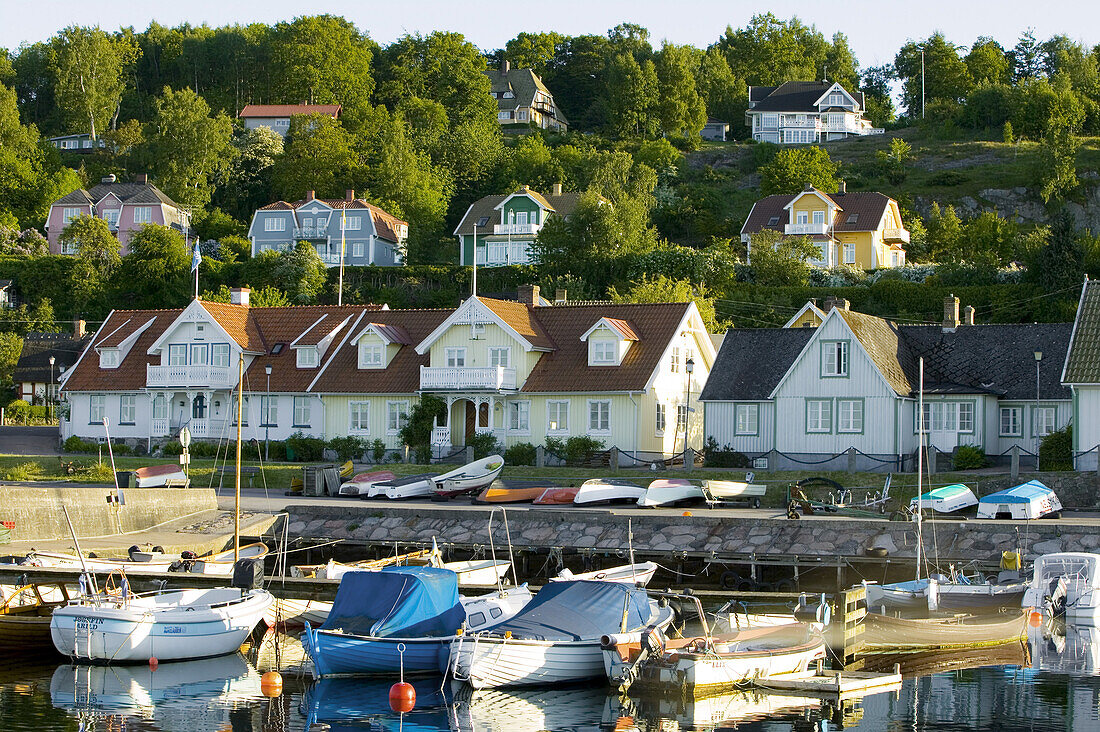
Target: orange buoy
[(687, 513), (402, 697), (1035, 618), (153, 663), (271, 684)]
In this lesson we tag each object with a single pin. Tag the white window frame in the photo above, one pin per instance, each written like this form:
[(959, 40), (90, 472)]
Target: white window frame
[(599, 416), (233, 410), (496, 251), (127, 409), (277, 223), (674, 364), (849, 253), (269, 411), (303, 408), (819, 416), (143, 214), (965, 417), (604, 352), (557, 416), (200, 354), (219, 354), (1044, 421), (97, 408), (802, 217), (746, 419), (358, 249), (454, 357), (108, 358), (110, 215), (818, 217), (397, 416), (68, 214), (660, 418), (177, 354), (372, 355), (307, 357), (835, 359), (359, 417), (352, 223), (849, 416), (160, 407), (500, 356), (681, 417), (1016, 421), (519, 417)]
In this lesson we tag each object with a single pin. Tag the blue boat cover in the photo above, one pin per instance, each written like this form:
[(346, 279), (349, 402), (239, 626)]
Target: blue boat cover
[(402, 602), (1032, 490), (578, 610)]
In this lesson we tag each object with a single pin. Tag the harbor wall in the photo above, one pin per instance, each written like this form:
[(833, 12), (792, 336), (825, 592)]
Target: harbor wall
[(36, 510)]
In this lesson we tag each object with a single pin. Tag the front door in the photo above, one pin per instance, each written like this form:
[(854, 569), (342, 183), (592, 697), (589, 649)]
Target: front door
[(942, 423), (471, 421)]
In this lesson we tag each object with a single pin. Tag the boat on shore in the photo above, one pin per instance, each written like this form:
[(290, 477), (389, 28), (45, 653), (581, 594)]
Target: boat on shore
[(945, 499), (1027, 501), (410, 486), (726, 491), (557, 496), (159, 476), (556, 637), (893, 634), (512, 491), (671, 492), (638, 574), (361, 483), (470, 478), (607, 490)]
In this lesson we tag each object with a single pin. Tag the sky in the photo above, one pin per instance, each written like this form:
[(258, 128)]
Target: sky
[(875, 30)]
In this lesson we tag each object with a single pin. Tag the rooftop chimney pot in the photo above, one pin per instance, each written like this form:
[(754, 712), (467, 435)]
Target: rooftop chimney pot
[(842, 187), (79, 328), (529, 295), (555, 189), (968, 315), (349, 194), (239, 296), (505, 66), (310, 195), (950, 313), (141, 178)]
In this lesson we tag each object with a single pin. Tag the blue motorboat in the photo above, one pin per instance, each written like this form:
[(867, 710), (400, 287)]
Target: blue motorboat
[(379, 616)]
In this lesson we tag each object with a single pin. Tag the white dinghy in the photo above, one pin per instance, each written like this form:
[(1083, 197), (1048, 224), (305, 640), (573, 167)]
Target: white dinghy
[(628, 574), (470, 478), (671, 492), (726, 491), (607, 490)]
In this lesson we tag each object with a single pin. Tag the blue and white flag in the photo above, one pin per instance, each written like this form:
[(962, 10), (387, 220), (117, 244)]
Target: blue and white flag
[(196, 258)]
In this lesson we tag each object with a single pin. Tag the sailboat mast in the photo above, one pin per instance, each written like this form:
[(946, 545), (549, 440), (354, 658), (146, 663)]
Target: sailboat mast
[(237, 478), (920, 463)]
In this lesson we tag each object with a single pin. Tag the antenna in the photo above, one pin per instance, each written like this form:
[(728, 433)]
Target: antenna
[(480, 223)]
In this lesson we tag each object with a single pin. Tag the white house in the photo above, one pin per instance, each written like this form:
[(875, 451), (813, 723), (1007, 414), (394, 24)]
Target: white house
[(801, 395), (1081, 374), (806, 112)]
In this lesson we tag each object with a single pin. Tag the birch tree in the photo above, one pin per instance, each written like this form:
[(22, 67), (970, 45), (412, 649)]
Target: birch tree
[(90, 68)]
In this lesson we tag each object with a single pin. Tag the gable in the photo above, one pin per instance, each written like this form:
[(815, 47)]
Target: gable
[(823, 100), (1082, 364), (511, 317)]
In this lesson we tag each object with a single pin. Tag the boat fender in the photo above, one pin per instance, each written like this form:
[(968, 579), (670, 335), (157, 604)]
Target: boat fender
[(158, 549)]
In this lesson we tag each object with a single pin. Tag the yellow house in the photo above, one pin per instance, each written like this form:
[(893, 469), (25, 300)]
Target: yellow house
[(859, 229), (525, 371)]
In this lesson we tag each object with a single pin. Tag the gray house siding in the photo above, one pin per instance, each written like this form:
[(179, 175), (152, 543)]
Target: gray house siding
[(362, 246)]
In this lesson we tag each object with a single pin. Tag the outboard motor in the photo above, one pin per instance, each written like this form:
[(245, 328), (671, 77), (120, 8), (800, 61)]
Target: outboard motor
[(248, 574), (819, 612), (1056, 599)]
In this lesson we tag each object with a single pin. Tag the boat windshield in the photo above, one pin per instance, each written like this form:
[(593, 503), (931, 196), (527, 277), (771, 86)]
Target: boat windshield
[(1081, 569)]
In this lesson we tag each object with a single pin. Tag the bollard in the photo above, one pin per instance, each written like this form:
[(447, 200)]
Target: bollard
[(540, 457), (851, 459), (1015, 462), (613, 458), (933, 455), (469, 453)]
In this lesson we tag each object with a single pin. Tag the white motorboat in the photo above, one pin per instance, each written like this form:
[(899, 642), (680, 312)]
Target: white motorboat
[(607, 490), (411, 486), (630, 574), (155, 562), (556, 637), (470, 478), (1030, 500), (167, 625), (1066, 584), (360, 484), (945, 499), (724, 491), (670, 492)]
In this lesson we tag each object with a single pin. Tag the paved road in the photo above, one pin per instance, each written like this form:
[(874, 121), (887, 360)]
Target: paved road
[(28, 441)]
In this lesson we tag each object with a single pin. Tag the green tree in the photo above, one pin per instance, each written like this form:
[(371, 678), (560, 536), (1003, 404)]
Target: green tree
[(249, 182), (946, 77), (945, 235), (1061, 261), (631, 95), (90, 69), (680, 109), (725, 95), (156, 273), (781, 261), (988, 63), (187, 150), (990, 240), (299, 273), (576, 76), (877, 94), (97, 257), (11, 346), (772, 51), (794, 168), (535, 51), (665, 289), (322, 59), (318, 157), (841, 65), (1026, 57), (1056, 167)]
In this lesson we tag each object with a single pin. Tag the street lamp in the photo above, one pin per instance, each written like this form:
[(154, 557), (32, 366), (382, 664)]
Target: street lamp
[(1035, 419), (49, 388), (480, 223), (266, 412), (689, 366)]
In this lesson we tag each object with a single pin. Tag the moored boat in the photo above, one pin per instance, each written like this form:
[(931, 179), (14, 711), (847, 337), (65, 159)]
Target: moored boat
[(25, 615), (557, 496), (361, 483), (631, 574), (556, 637), (886, 632), (607, 490), (219, 564), (670, 492), (470, 478), (1066, 584)]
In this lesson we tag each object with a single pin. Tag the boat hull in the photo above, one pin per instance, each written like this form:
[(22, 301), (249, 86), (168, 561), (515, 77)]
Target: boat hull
[(557, 496), (336, 654), (489, 662), (630, 574), (595, 492), (665, 492), (509, 495), (160, 626), (883, 632), (470, 478), (955, 598)]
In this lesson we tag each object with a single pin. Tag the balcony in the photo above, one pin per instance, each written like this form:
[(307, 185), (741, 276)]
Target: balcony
[(515, 229), (810, 229), (197, 375), (495, 378), (311, 232), (896, 235)]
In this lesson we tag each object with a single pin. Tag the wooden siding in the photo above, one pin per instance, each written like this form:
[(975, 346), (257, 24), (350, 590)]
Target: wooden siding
[(477, 351), (721, 424), (338, 415), (1086, 422)]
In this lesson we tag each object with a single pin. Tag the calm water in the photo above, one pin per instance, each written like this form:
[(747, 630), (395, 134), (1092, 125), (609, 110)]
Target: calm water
[(1055, 686)]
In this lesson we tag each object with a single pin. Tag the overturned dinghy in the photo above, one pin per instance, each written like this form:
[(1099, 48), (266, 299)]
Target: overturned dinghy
[(945, 499), (671, 492), (1030, 500), (607, 490)]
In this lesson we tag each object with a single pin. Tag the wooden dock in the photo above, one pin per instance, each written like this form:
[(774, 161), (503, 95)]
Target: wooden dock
[(832, 684)]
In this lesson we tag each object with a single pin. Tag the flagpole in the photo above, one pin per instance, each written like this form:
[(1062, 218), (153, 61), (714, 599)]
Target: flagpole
[(343, 228), (196, 260)]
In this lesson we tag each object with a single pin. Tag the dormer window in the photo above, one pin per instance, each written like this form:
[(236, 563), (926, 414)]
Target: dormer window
[(307, 357), (108, 358), (371, 355), (603, 353)]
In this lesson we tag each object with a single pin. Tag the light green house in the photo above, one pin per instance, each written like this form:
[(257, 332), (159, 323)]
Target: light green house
[(511, 224)]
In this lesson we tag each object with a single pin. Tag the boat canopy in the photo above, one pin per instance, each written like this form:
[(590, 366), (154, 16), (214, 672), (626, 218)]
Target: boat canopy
[(578, 610), (409, 602), (1024, 493)]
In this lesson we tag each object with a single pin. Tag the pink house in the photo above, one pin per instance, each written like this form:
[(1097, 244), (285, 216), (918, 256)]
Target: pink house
[(126, 207)]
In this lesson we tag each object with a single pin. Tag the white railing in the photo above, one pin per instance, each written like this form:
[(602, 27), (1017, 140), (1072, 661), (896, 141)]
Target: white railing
[(330, 258), (807, 123), (495, 377), (196, 375), (515, 228), (310, 232), (441, 435), (159, 427), (198, 428), (875, 131), (895, 235), (811, 228)]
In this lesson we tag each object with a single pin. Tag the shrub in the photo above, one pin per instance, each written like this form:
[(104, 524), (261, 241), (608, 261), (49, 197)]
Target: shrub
[(484, 444), (75, 444), (947, 178), (24, 471), (99, 473), (575, 449), (521, 453), (969, 457), (172, 448), (378, 450), (348, 447), (18, 412), (1056, 450), (723, 457), (305, 449), (417, 432)]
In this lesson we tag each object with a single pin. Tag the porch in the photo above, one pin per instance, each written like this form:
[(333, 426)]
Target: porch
[(467, 416)]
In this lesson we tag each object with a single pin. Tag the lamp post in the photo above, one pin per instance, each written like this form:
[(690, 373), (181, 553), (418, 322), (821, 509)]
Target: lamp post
[(480, 223), (267, 412), (689, 366), (49, 388), (1035, 419)]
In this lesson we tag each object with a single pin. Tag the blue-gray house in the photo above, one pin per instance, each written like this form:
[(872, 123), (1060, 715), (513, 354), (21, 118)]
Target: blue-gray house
[(369, 235)]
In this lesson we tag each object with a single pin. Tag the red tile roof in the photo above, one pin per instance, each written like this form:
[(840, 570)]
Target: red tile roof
[(520, 318), (626, 330)]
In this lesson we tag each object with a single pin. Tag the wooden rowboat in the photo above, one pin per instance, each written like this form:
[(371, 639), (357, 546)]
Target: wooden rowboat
[(25, 615), (513, 491), (557, 496), (884, 632)]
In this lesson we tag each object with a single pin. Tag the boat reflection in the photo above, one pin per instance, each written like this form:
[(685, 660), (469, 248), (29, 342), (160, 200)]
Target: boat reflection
[(578, 709), (189, 696), (658, 713), (924, 663), (275, 651), (1065, 648), (360, 704)]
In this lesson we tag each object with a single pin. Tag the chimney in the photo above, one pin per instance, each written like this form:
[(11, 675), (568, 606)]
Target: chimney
[(561, 296), (842, 303), (809, 187), (79, 328), (141, 178), (842, 187), (239, 296), (310, 195), (349, 194), (830, 303), (968, 315), (555, 190), (528, 295), (950, 313), (505, 67)]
